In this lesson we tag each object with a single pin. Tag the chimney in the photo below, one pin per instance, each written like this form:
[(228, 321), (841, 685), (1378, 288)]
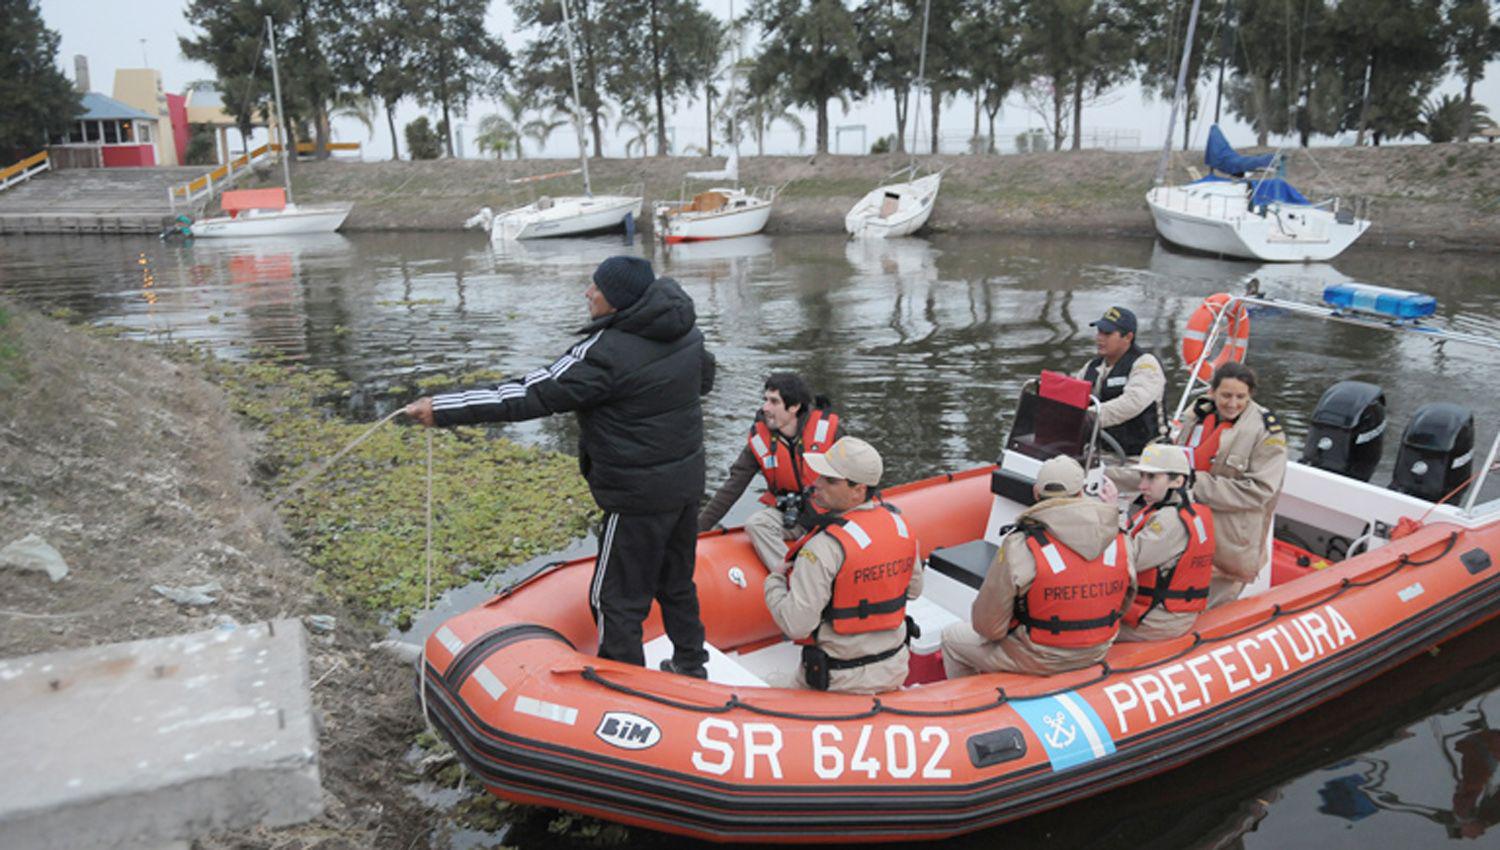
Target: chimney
[(81, 73)]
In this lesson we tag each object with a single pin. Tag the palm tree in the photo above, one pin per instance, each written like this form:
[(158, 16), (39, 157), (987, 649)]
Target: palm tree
[(540, 129), (1442, 118), (496, 133), (638, 119), (511, 124), (760, 112)]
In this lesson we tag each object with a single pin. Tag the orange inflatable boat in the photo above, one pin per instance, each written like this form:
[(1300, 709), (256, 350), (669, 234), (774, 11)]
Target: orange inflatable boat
[(539, 719)]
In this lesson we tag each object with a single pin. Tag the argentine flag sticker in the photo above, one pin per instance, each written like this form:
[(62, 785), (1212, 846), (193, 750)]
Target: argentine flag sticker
[(1069, 729)]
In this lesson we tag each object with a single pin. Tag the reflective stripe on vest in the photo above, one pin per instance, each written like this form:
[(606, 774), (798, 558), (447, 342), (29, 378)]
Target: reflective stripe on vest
[(1077, 602), (1204, 440), (1186, 587), (869, 592), (781, 461)]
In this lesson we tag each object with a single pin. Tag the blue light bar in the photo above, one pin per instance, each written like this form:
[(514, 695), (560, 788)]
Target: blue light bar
[(1379, 301)]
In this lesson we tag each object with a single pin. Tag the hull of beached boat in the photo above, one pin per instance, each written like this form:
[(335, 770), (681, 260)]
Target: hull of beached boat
[(913, 206), (1210, 220), (291, 221), (569, 216), (538, 719), (742, 216)]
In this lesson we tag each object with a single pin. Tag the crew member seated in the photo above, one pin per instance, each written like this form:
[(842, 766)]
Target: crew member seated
[(1053, 598), (1127, 380), (789, 424), (846, 583), (1174, 548)]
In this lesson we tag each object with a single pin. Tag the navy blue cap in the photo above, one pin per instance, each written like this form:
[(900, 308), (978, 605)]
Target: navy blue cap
[(1114, 319)]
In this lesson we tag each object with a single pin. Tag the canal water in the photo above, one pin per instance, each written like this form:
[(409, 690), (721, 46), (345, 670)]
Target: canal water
[(923, 345)]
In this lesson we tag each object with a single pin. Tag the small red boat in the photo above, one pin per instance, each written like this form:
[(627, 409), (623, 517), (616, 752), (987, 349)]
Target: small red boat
[(539, 719)]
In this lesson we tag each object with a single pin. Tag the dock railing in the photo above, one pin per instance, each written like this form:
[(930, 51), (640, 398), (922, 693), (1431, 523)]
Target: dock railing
[(204, 188), (24, 170)]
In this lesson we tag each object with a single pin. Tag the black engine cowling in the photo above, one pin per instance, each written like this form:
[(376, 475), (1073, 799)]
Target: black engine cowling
[(1437, 451), (1348, 430)]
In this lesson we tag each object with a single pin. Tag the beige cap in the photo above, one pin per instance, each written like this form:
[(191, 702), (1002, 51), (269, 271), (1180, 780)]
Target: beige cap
[(1160, 457), (850, 458), (1059, 476)]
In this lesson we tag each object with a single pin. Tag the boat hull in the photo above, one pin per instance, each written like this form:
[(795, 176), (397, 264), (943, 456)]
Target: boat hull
[(571, 216), (723, 224), (1215, 223), (514, 687), (917, 199), (323, 218)]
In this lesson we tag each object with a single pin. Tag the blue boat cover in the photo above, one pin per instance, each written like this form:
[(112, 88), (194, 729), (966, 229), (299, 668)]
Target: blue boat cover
[(1219, 156), (1274, 190)]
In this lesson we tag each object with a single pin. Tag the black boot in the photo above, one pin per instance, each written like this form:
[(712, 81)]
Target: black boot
[(696, 672)]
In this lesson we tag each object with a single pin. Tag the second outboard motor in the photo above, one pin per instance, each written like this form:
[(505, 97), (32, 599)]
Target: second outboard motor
[(1348, 430), (1437, 451)]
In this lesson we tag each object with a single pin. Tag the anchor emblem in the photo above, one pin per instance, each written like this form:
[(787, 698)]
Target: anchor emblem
[(1062, 733)]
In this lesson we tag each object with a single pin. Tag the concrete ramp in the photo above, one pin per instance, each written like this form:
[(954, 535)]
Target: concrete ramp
[(152, 743), (94, 200)]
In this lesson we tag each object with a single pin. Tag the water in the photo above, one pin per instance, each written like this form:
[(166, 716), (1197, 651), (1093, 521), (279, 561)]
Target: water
[(923, 346)]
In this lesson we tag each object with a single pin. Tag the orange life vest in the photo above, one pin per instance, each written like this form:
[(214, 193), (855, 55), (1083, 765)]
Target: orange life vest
[(880, 553), (1186, 587), (1204, 440), (781, 462), (1074, 602)]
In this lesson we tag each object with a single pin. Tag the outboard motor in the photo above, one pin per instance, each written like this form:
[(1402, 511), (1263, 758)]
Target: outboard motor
[(1437, 451), (1348, 430)]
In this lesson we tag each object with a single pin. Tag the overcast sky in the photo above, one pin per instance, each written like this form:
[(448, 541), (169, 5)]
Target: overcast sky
[(144, 32)]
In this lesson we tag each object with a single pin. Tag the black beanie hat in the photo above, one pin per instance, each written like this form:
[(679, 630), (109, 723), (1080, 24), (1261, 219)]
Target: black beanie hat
[(623, 280)]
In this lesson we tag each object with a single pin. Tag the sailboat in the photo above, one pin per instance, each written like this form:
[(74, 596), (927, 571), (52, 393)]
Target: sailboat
[(722, 211), (1248, 211), (270, 212), (574, 215), (899, 209)]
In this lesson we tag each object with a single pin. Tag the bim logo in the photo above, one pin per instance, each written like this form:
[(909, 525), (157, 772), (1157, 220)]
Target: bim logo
[(627, 731)]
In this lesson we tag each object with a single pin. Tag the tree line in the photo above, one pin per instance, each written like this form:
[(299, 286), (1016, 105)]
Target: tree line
[(1303, 67)]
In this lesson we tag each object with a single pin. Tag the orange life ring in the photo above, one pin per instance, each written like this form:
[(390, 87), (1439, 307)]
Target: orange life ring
[(1236, 335)]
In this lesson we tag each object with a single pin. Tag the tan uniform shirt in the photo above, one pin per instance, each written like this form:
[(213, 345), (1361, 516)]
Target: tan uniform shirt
[(1145, 384), (796, 604), (1241, 486)]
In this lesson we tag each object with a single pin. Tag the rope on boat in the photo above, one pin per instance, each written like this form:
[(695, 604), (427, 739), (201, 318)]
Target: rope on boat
[(1401, 562)]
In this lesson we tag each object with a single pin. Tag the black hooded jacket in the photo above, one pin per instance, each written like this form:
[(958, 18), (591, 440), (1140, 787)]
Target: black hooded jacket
[(635, 382)]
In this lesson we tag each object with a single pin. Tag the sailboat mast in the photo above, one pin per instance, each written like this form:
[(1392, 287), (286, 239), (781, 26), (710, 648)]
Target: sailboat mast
[(1182, 69), (921, 81), (583, 152), (734, 70), (286, 166)]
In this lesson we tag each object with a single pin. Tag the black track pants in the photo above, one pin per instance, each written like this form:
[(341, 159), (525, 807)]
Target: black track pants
[(644, 557)]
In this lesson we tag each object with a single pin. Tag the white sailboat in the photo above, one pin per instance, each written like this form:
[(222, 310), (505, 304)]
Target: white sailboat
[(899, 209), (270, 212), (1251, 213), (719, 212), (573, 215)]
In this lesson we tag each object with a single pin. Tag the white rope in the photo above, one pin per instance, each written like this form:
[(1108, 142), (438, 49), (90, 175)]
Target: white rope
[(427, 599)]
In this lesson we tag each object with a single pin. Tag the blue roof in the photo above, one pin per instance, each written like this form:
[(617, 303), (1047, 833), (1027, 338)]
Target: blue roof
[(98, 107)]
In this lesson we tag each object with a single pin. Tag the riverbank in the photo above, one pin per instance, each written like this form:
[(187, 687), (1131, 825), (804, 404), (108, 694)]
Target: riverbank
[(148, 467), (1440, 197)]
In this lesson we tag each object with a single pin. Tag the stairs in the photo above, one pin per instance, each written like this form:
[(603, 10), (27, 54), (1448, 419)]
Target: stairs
[(93, 200)]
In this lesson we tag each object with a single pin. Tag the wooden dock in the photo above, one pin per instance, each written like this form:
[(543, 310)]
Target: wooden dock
[(93, 200)]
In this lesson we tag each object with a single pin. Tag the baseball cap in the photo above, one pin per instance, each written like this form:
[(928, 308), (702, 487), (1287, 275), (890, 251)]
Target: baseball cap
[(1116, 319), (850, 458), (1160, 457), (1059, 476)]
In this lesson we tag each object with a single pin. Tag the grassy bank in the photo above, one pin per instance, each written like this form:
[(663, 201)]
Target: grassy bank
[(1440, 196)]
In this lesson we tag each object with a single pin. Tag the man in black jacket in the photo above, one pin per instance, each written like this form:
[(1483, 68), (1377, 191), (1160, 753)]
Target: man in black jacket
[(634, 382)]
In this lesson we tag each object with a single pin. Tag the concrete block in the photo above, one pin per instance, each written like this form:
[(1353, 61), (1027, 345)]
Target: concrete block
[(151, 743)]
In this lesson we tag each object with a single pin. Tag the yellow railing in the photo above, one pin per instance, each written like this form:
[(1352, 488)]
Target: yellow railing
[(23, 170), (229, 172)]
